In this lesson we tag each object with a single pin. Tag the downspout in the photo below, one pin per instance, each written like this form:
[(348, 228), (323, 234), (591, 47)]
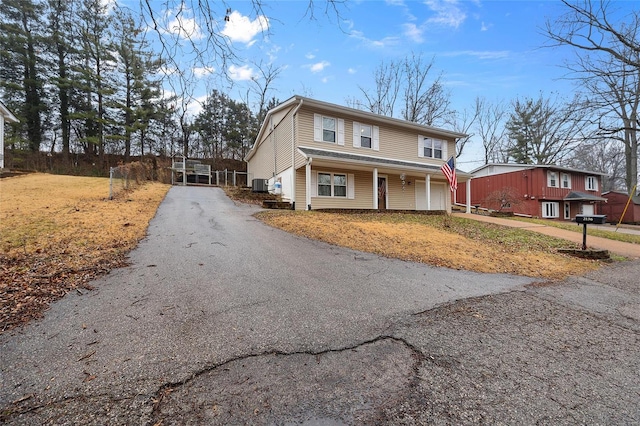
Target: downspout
[(293, 155), (273, 143)]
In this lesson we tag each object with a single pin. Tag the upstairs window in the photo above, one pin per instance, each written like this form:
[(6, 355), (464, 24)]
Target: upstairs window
[(591, 183), (328, 129), (566, 180), (432, 148), (552, 179), (366, 136)]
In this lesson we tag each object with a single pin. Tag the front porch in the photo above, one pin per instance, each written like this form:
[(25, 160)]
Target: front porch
[(331, 180)]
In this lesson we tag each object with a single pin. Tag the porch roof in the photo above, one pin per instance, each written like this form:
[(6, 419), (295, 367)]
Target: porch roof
[(371, 161), (581, 196)]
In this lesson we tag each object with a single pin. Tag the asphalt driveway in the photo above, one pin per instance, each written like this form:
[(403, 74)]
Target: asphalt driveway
[(223, 320)]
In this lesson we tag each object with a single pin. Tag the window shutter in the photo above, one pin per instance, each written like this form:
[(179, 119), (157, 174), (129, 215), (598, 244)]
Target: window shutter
[(351, 186), (340, 131), (376, 138), (317, 127), (356, 135), (445, 145), (314, 184), (420, 146)]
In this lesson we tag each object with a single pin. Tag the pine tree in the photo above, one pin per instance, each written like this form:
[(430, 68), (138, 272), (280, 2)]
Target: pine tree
[(21, 74)]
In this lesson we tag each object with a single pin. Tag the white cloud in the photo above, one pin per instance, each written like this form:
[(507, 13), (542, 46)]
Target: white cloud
[(183, 26), (242, 29), (377, 44), (319, 66), (352, 71), (203, 71), (480, 54), (448, 12), (325, 79), (395, 2), (484, 26), (310, 56), (414, 33), (240, 73)]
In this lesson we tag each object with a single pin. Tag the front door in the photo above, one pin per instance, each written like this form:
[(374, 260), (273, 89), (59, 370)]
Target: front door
[(382, 193)]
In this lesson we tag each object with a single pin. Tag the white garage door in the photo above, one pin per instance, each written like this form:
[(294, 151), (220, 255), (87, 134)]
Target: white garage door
[(437, 196)]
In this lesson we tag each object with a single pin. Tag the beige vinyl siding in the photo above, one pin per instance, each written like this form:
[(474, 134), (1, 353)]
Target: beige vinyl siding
[(265, 162), (400, 199), (283, 137), (395, 142), (261, 164), (363, 191)]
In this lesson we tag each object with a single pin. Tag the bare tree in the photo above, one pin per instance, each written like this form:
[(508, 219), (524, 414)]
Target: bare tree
[(608, 65), (605, 156), (382, 99), (463, 122), (490, 127), (262, 84), (423, 100)]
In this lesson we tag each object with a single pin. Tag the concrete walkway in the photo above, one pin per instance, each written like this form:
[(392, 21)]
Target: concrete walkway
[(618, 247)]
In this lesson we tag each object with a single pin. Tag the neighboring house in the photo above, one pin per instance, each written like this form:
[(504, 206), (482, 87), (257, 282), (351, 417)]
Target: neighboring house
[(545, 191), (323, 155), (6, 116), (616, 203)]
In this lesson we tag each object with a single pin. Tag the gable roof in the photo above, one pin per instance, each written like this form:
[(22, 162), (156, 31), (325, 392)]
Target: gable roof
[(7, 114), (300, 101), (509, 167)]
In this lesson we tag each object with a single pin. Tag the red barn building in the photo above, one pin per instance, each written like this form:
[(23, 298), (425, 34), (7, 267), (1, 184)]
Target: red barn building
[(616, 203), (545, 191)]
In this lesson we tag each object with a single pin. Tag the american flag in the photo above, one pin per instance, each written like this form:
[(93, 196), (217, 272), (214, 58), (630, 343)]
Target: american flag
[(449, 170)]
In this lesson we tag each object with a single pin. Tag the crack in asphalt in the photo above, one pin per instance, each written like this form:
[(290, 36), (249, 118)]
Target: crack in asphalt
[(157, 399)]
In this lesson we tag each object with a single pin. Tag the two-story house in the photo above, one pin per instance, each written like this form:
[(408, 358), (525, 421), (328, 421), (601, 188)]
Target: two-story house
[(545, 191), (323, 155)]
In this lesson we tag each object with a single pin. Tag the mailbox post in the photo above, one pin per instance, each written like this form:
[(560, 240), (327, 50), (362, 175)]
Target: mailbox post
[(584, 219)]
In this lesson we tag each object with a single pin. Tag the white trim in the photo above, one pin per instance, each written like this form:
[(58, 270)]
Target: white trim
[(421, 146), (375, 188), (332, 175), (356, 135), (590, 187), (340, 131), (428, 189), (418, 166), (555, 206), (375, 142), (351, 186)]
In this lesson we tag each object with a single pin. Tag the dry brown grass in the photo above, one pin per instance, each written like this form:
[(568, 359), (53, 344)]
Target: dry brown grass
[(436, 240), (59, 232)]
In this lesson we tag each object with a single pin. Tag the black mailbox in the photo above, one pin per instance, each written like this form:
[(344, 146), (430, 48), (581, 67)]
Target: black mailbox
[(596, 219)]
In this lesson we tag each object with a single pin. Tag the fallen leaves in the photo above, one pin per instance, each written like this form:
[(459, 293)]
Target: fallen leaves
[(461, 244), (58, 233)]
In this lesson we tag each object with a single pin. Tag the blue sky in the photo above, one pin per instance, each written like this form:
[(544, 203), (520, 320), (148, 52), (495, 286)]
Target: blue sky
[(482, 48)]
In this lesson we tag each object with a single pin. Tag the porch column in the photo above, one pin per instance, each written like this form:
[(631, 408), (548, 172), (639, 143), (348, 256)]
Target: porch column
[(307, 172), (375, 188), (468, 195), (428, 189)]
